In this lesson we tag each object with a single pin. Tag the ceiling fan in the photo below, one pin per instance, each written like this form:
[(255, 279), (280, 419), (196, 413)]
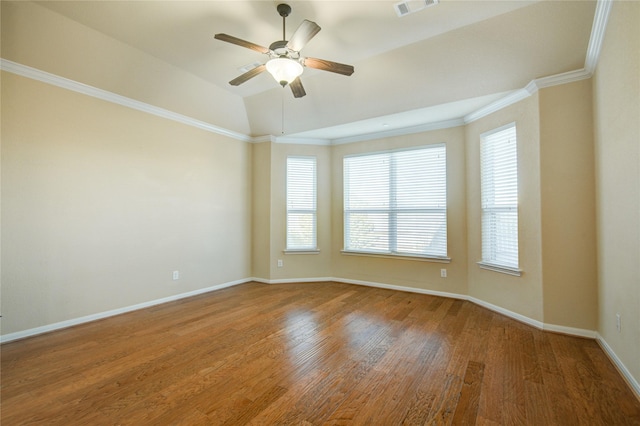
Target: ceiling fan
[(285, 62)]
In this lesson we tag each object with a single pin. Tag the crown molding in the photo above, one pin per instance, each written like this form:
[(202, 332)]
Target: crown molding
[(529, 89), (600, 20), (601, 17), (65, 83), (558, 79), (261, 139), (301, 141), (455, 122), (510, 99)]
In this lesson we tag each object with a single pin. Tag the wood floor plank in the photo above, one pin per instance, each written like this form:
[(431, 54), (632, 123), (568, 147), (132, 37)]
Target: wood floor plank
[(552, 378), (490, 407), (311, 354), (467, 407)]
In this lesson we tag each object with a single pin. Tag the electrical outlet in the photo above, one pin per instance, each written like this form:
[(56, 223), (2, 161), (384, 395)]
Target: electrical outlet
[(176, 275), (280, 264), (443, 273), (618, 323)]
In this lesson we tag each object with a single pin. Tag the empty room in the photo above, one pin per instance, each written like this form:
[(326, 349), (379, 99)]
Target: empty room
[(320, 212)]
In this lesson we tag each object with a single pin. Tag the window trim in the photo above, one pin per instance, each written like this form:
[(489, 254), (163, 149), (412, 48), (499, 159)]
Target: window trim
[(396, 254), (425, 258), (517, 272), (488, 264), (302, 250)]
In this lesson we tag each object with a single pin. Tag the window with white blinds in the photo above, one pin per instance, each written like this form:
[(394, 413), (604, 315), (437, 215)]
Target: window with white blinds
[(301, 203), (499, 197), (396, 202)]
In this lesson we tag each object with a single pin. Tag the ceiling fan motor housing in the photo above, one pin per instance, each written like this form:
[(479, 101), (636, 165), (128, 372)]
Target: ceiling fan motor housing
[(279, 47)]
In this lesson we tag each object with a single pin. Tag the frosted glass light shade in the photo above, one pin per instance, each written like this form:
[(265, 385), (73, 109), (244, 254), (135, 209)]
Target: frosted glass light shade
[(284, 70)]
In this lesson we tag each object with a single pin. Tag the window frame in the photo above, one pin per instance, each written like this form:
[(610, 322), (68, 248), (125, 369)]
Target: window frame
[(491, 261), (393, 211), (312, 248)]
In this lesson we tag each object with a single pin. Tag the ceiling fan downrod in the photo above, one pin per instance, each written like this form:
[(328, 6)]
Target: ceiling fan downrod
[(284, 10)]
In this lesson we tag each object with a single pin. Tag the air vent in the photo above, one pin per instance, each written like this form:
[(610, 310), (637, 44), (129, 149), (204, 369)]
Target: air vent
[(402, 9), (249, 67), (407, 7)]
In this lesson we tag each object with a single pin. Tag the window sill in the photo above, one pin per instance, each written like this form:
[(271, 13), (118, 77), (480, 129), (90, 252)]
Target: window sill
[(398, 256), (499, 268), (301, 251)]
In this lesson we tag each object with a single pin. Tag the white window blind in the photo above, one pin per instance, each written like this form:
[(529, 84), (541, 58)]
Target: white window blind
[(499, 194), (396, 202), (301, 203)]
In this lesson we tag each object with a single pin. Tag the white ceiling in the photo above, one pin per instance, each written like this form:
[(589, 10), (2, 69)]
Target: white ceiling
[(433, 65)]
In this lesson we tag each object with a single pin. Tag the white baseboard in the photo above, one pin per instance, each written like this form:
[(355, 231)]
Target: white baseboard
[(93, 317), (578, 332), (572, 331), (400, 288), (76, 321), (626, 374), (513, 315), (633, 383), (293, 280), (491, 307)]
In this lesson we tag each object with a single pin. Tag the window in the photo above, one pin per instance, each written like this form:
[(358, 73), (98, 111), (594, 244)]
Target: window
[(395, 203), (301, 203), (499, 197)]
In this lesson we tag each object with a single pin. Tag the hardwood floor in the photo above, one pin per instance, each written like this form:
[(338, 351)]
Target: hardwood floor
[(311, 354)]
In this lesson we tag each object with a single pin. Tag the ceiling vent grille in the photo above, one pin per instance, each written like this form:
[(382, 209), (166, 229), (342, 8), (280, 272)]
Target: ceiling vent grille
[(249, 67), (410, 6)]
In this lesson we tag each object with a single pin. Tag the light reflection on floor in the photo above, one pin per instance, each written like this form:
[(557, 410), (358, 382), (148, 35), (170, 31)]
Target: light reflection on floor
[(353, 337)]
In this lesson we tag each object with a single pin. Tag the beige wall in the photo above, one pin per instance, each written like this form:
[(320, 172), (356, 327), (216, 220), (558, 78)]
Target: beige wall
[(522, 295), (270, 162), (617, 139), (261, 211), (300, 265), (569, 271), (100, 203), (410, 273)]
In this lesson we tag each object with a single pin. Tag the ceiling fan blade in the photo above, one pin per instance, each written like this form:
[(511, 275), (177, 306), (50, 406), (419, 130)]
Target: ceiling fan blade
[(247, 75), (240, 42), (305, 32), (297, 89), (325, 65)]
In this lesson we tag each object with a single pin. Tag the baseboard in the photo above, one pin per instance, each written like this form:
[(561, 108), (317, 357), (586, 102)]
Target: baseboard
[(578, 332), (622, 369), (572, 331), (518, 317), (513, 315), (491, 307), (400, 288), (77, 321), (293, 280), (631, 381)]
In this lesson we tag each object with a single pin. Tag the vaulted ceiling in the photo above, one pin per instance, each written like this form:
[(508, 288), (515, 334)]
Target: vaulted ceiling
[(439, 63)]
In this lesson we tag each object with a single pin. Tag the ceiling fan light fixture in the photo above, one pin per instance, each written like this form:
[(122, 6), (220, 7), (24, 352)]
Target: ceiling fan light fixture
[(284, 70)]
